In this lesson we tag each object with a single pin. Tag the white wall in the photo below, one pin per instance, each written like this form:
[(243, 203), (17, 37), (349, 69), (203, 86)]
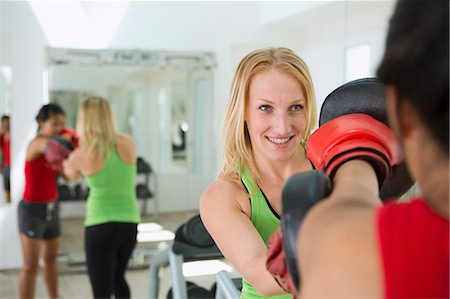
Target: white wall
[(229, 29), (27, 61)]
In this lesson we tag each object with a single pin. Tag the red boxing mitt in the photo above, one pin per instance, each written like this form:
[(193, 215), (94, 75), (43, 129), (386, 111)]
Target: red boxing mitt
[(71, 135), (276, 263), (56, 150), (354, 136)]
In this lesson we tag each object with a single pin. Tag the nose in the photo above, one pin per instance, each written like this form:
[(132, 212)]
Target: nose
[(282, 124)]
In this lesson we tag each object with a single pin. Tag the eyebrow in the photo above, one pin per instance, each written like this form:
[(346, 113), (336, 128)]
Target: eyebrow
[(297, 101)]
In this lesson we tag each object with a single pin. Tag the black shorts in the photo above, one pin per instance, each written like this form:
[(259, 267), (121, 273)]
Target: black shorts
[(6, 179), (39, 220)]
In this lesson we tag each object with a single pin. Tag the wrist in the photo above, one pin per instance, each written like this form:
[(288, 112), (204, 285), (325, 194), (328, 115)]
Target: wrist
[(356, 177)]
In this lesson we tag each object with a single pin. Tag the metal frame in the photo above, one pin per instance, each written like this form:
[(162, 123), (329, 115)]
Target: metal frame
[(176, 268), (225, 286)]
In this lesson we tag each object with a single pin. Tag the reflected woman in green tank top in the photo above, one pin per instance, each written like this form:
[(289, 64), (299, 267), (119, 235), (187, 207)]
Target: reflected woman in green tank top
[(271, 112), (107, 160)]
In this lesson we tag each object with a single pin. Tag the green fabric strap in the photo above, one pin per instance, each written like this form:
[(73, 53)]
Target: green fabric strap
[(265, 223)]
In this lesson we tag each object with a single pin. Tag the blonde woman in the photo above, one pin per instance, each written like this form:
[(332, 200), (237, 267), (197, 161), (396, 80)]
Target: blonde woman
[(271, 112), (108, 162)]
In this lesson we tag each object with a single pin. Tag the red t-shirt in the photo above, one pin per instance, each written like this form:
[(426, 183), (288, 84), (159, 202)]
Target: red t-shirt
[(40, 181), (414, 244), (5, 146)]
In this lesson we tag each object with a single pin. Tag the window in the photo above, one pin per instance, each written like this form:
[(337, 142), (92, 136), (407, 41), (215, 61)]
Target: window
[(357, 62)]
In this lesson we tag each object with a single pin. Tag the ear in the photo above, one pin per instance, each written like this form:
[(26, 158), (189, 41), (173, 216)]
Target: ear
[(407, 118), (402, 116)]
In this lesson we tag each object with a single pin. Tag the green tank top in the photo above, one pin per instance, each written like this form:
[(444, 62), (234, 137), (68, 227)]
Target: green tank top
[(112, 195), (265, 222)]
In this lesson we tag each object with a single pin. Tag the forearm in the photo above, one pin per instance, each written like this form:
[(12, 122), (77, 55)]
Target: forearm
[(356, 179), (69, 173), (256, 274)]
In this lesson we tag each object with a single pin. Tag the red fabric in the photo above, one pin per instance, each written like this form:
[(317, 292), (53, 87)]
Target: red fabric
[(72, 134), (40, 181), (414, 244), (349, 133), (276, 263), (56, 151), (5, 146)]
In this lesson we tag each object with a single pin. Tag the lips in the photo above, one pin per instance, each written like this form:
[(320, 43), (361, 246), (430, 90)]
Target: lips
[(279, 140)]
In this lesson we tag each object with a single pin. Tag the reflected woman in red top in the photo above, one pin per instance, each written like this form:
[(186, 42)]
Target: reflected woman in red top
[(39, 225), (5, 142)]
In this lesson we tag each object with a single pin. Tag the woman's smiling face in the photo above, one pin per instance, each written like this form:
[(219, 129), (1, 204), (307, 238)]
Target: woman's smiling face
[(275, 114)]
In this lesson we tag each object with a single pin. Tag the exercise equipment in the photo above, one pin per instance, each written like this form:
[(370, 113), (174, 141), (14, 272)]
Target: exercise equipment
[(366, 96), (302, 191), (56, 150), (194, 292), (354, 136), (281, 257), (71, 136), (226, 287), (193, 232), (144, 191), (64, 193), (192, 243)]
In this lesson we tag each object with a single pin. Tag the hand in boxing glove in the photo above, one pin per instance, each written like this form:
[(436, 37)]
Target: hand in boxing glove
[(354, 136), (300, 193), (56, 150), (71, 135), (276, 263)]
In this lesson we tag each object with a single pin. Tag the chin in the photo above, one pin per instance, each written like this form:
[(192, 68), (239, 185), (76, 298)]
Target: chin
[(281, 156)]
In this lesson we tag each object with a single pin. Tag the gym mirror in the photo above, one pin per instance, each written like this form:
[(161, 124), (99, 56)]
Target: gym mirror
[(162, 99), (5, 110)]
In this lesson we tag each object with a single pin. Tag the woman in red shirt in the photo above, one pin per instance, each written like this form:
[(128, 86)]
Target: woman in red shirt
[(350, 245), (5, 141), (39, 225)]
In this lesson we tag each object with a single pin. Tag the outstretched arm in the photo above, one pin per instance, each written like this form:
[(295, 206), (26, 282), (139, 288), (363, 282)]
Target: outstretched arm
[(71, 167), (336, 244), (224, 209)]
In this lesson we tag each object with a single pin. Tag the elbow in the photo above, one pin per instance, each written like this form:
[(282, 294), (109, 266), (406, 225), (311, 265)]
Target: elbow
[(266, 286), (267, 290), (70, 176)]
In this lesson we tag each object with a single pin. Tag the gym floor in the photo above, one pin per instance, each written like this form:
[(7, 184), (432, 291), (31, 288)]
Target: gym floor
[(73, 280)]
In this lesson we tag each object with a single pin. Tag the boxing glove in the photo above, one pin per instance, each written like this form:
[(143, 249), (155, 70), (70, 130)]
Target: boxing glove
[(300, 193), (276, 263), (354, 136), (56, 150), (71, 136)]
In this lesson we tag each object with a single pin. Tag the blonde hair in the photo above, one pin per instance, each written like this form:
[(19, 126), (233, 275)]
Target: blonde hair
[(237, 145), (95, 124)]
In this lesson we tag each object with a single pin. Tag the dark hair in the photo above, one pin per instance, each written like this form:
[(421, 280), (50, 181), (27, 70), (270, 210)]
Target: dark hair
[(48, 111), (5, 117), (416, 61)]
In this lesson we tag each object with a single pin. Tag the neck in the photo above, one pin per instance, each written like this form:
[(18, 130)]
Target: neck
[(283, 169), (435, 188)]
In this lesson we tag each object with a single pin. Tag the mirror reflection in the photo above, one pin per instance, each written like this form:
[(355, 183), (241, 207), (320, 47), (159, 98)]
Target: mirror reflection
[(162, 100), (5, 119), (154, 101)]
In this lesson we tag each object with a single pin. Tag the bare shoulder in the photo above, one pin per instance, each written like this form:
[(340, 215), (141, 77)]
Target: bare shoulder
[(124, 138), (225, 191), (81, 158), (126, 148), (338, 250), (78, 154), (36, 147)]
